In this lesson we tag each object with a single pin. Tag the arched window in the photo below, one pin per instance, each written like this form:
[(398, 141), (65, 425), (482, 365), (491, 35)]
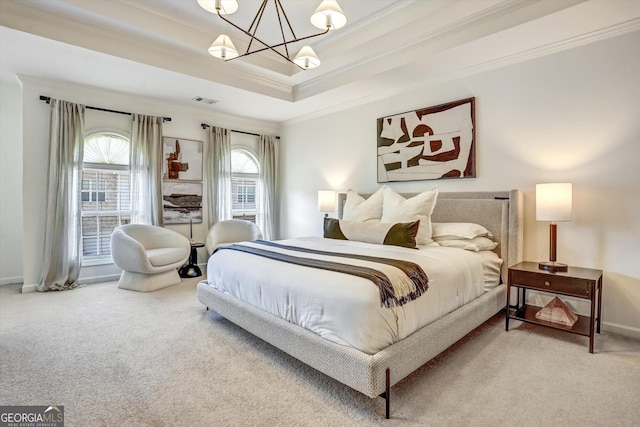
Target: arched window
[(104, 192), (244, 185)]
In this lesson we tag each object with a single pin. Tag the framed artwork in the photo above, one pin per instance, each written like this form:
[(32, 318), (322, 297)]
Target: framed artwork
[(182, 159), (431, 143), (182, 202)]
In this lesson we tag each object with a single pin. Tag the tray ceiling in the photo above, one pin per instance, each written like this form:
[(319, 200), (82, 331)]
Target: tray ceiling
[(158, 48)]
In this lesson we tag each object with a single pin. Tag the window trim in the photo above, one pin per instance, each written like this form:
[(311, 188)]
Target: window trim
[(251, 176), (92, 260)]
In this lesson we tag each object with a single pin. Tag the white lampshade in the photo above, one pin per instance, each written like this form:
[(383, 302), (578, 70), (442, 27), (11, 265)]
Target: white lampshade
[(326, 201), (223, 48), (329, 14), (553, 202), (307, 58), (227, 7)]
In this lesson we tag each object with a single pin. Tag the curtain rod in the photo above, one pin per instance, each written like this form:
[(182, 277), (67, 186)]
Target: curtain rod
[(48, 100), (204, 126)]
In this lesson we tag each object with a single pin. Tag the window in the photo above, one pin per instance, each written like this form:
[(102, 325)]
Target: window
[(244, 185), (104, 192), (90, 191)]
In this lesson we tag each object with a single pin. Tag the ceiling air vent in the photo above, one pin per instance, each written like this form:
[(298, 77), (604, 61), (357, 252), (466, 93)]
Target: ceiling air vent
[(205, 100)]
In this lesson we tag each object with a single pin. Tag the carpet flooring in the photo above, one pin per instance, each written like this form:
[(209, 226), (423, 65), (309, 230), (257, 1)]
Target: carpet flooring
[(113, 357)]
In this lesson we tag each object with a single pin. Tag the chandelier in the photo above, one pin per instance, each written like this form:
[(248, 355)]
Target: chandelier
[(328, 16)]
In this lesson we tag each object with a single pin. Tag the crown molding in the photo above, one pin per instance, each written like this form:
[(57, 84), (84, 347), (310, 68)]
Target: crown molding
[(602, 34), (476, 24), (21, 16), (555, 47)]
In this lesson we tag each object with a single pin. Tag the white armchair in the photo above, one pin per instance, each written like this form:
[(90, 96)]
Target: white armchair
[(231, 231), (148, 256)]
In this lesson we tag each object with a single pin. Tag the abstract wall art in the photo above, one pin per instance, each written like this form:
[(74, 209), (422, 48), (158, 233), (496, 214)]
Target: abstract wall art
[(431, 143), (182, 159), (182, 202)]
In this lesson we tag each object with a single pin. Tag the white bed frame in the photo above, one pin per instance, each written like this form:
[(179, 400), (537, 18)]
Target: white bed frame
[(374, 375)]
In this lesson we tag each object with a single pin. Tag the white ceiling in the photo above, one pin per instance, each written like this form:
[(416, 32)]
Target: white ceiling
[(158, 48)]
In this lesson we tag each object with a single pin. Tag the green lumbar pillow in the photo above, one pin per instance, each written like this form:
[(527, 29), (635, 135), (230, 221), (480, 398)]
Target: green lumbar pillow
[(382, 233)]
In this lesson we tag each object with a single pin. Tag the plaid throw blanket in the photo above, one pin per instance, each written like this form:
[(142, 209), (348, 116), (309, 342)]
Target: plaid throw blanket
[(398, 281)]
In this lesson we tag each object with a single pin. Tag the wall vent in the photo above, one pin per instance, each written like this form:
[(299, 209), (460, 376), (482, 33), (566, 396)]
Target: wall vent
[(205, 100)]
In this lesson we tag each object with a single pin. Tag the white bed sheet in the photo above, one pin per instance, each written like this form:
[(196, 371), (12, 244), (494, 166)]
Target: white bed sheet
[(343, 308)]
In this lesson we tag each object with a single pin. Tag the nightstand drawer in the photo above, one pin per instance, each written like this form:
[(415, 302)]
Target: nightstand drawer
[(548, 282)]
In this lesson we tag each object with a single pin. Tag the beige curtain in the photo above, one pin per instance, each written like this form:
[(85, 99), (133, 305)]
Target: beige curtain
[(218, 174), (63, 228), (146, 169), (267, 157)]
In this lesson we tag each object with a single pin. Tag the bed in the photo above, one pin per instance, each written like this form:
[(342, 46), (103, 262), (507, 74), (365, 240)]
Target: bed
[(374, 370)]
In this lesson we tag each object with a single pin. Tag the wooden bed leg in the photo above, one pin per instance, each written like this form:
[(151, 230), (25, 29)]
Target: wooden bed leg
[(387, 395)]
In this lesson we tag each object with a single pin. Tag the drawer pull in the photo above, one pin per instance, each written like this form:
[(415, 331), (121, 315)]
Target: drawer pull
[(547, 283)]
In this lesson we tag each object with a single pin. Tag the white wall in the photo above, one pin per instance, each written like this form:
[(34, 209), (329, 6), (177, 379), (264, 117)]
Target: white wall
[(185, 123), (10, 184), (572, 116)]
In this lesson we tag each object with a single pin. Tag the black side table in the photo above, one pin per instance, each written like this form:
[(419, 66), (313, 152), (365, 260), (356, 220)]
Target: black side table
[(191, 269)]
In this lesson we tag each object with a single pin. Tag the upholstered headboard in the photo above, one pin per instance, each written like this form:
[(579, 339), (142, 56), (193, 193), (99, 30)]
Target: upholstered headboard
[(499, 211)]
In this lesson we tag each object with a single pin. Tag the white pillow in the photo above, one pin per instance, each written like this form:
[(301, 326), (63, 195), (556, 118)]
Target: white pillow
[(398, 209), (459, 230), (476, 244), (357, 208)]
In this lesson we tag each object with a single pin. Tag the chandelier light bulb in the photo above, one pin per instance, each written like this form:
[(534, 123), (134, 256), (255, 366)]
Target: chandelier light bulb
[(223, 48), (226, 7), (329, 15), (307, 58)]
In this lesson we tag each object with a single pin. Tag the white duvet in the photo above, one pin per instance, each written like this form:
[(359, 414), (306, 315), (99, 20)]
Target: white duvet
[(343, 308)]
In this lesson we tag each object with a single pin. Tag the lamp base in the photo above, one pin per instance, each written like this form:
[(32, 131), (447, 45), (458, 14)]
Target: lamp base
[(552, 266)]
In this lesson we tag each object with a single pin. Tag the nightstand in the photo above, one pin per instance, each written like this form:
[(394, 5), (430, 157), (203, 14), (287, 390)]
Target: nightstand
[(576, 282)]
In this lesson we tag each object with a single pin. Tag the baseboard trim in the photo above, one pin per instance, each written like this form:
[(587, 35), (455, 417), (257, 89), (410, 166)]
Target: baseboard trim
[(33, 287), (626, 331), (98, 279), (11, 280), (82, 281)]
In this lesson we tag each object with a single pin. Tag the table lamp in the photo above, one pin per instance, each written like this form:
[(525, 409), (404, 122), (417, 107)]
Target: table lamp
[(326, 201), (553, 203)]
